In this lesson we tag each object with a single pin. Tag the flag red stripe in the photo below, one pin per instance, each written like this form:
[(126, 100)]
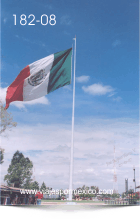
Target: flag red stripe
[(15, 90)]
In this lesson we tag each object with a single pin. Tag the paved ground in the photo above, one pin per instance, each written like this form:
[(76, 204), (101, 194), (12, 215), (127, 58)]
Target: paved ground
[(70, 203), (65, 211), (71, 208)]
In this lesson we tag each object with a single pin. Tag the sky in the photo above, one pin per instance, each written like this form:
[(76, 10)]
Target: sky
[(106, 101)]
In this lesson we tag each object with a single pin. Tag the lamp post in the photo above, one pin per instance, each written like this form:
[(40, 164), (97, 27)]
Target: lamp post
[(134, 179)]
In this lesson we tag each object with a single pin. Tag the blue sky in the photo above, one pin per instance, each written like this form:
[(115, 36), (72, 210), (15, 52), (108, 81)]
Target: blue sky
[(106, 79)]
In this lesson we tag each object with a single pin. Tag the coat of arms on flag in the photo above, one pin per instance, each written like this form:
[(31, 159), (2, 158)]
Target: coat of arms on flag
[(37, 78)]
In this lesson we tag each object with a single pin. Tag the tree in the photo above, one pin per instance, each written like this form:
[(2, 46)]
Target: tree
[(123, 195), (1, 155), (6, 123), (61, 194), (27, 184), (43, 187), (115, 195), (34, 185), (6, 120), (19, 171), (95, 188), (136, 196), (83, 187)]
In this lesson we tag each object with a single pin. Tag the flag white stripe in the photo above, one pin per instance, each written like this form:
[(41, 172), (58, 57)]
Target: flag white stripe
[(31, 92)]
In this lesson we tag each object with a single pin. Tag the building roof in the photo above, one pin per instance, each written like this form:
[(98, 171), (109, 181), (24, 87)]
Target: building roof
[(11, 189), (8, 188)]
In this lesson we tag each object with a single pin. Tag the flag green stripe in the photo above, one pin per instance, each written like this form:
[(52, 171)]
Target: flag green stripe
[(60, 73)]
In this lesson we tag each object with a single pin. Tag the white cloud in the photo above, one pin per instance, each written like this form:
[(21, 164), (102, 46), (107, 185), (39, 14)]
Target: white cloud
[(67, 87), (48, 146), (3, 94), (82, 79), (5, 20), (90, 170), (98, 89), (117, 99), (111, 94), (116, 43), (39, 43), (65, 20), (48, 6), (23, 104), (66, 33)]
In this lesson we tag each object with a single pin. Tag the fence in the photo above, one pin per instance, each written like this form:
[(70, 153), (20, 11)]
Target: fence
[(114, 202)]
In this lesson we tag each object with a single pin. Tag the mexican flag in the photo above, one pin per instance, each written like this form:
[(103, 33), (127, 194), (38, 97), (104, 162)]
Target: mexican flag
[(41, 77)]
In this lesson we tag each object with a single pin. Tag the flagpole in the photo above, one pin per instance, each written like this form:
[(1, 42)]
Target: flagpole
[(72, 137)]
